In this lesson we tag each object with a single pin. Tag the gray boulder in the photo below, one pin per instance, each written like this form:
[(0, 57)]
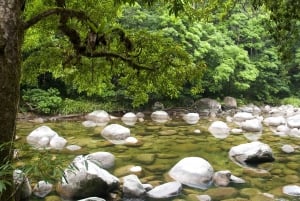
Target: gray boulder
[(230, 103), (251, 153), (42, 188), (252, 125), (22, 186), (224, 177), (206, 106)]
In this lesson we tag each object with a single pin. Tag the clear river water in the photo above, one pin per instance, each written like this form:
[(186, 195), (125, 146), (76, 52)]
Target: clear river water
[(160, 147)]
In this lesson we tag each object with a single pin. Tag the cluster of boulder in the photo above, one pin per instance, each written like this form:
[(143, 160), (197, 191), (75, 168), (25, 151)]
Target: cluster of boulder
[(89, 176)]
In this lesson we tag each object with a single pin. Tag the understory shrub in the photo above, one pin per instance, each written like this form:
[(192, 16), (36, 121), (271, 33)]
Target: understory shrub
[(70, 106), (42, 101), (295, 101)]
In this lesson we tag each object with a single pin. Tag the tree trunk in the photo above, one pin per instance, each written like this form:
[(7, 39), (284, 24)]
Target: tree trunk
[(11, 36)]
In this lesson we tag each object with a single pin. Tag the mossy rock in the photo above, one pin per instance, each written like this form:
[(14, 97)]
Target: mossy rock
[(53, 198), (146, 159), (249, 192), (222, 193)]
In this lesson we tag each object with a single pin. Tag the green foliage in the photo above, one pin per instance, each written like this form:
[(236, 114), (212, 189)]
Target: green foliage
[(41, 101), (6, 170), (295, 101), (42, 165), (70, 106), (218, 56)]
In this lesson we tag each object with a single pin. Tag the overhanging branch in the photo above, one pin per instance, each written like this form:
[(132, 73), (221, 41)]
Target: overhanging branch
[(85, 48), (128, 60)]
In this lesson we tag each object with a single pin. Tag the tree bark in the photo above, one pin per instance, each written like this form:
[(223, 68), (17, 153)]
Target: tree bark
[(11, 37)]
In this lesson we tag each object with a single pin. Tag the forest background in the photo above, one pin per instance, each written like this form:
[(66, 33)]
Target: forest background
[(235, 53)]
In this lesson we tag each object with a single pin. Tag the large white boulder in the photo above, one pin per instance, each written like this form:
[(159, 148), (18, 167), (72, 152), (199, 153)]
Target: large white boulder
[(242, 116), (251, 153), (85, 178), (191, 118), (40, 137), (100, 117), (274, 121), (292, 190), (252, 125), (193, 171), (105, 160), (116, 133), (129, 119), (45, 137), (160, 116), (294, 121), (167, 190), (57, 142), (219, 129)]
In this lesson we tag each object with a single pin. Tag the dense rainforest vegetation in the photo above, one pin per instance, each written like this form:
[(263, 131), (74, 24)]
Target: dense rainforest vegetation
[(130, 53), (226, 55)]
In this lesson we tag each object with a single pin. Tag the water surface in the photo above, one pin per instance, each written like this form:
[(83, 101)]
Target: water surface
[(161, 146)]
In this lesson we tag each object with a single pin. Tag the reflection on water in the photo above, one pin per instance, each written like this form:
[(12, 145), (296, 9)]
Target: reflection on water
[(164, 145)]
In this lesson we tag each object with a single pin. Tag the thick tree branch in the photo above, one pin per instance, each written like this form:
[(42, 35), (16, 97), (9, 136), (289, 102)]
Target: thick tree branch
[(87, 49), (128, 60), (80, 15)]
